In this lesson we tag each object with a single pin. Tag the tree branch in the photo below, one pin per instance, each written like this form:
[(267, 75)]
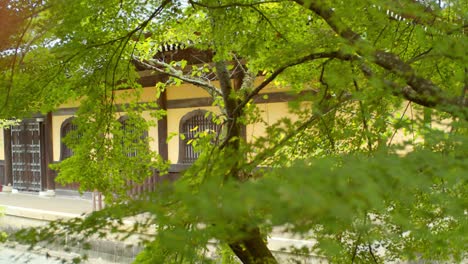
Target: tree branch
[(226, 88), (171, 71), (230, 105), (451, 106), (422, 89), (272, 77)]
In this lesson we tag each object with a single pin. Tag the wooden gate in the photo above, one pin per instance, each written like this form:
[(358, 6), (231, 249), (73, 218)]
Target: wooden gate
[(26, 156)]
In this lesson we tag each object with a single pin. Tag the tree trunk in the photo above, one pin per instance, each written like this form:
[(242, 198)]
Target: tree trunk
[(252, 249)]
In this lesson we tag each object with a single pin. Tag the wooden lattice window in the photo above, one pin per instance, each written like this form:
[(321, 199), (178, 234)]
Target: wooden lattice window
[(129, 131), (67, 127), (191, 124)]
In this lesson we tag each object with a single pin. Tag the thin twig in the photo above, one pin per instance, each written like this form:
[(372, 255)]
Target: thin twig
[(380, 34), (358, 240), (269, 22), (372, 253), (193, 3), (363, 117), (401, 118), (419, 56), (314, 117)]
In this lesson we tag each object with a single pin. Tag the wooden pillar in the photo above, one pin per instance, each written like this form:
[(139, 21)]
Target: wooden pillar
[(8, 159), (48, 152), (162, 128), (41, 124)]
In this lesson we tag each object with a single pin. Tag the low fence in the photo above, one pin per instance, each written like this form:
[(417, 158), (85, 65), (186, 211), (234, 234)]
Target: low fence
[(148, 185), (151, 183)]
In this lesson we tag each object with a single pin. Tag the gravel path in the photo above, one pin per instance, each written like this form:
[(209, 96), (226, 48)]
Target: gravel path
[(21, 255), (63, 204)]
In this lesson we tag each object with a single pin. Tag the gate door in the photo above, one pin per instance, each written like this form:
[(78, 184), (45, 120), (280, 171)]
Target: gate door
[(26, 156)]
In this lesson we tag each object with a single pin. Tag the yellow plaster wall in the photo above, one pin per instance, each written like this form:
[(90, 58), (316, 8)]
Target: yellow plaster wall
[(70, 104), (147, 94), (56, 125), (271, 87), (185, 91), (416, 113), (270, 113), (2, 147)]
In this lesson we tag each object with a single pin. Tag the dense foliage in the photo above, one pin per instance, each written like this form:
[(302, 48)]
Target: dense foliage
[(372, 165)]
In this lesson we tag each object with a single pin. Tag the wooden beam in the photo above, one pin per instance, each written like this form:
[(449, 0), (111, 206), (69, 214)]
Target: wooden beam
[(274, 97), (152, 80)]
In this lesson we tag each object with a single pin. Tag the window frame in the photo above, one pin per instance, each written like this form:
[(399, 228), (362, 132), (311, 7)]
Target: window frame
[(182, 159), (123, 123), (63, 147)]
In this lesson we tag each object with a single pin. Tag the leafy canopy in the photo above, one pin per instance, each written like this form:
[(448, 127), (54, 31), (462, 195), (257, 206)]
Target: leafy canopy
[(364, 73)]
